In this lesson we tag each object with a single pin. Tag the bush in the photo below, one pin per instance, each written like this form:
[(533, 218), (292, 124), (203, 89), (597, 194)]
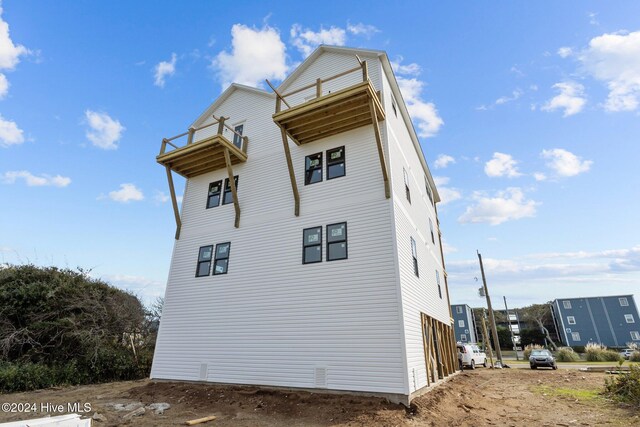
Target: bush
[(566, 354), (531, 347), (600, 353), (625, 386), (635, 356), (578, 348)]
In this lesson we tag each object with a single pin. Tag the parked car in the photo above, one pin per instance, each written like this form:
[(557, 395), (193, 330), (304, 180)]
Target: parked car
[(541, 358), (627, 352), (470, 355)]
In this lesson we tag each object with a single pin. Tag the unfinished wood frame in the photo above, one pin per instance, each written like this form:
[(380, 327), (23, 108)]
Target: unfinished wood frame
[(232, 184), (440, 356)]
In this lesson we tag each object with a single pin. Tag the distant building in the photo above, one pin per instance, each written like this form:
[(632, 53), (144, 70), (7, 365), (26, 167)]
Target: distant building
[(464, 323), (610, 320)]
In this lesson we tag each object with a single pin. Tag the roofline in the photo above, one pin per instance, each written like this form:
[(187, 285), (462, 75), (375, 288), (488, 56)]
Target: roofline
[(603, 296)]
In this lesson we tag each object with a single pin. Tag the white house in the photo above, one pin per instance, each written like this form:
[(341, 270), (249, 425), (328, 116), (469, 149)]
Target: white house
[(319, 265)]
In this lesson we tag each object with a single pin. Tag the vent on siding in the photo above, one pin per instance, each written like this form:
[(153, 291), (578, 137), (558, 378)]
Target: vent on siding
[(321, 377), (203, 371)]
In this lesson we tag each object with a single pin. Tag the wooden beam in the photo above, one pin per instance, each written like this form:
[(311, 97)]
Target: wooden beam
[(324, 115), (292, 175), (174, 202), (383, 163), (232, 183), (331, 128), (425, 345)]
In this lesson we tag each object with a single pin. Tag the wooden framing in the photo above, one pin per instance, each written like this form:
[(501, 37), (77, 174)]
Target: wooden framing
[(440, 356), (232, 184), (174, 202)]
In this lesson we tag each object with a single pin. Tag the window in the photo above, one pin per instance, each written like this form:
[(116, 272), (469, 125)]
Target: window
[(204, 261), (459, 310), (566, 304), (393, 106), (571, 320), (237, 137), (221, 261), (213, 196), (406, 185), (414, 254), (635, 336), (433, 238), (461, 323), (629, 318), (623, 302), (313, 169), (575, 336), (228, 195), (312, 245), (337, 241), (438, 282), (463, 337), (335, 163), (428, 187)]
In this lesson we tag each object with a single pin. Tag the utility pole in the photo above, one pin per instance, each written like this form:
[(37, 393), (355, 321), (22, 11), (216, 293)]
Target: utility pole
[(515, 347), (487, 342), (492, 319)]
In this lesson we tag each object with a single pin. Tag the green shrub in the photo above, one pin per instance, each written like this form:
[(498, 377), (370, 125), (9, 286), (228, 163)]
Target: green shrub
[(529, 348), (566, 354), (578, 348), (625, 386), (635, 356), (612, 356)]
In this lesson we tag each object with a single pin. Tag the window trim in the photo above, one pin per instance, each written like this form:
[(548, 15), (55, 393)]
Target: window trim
[(305, 245), (635, 336), (566, 304), (459, 309), (414, 255), (429, 190), (216, 259), (209, 195), (628, 317), (202, 262), (625, 300), (345, 241), (573, 336), (463, 337), (571, 320), (438, 282), (241, 132), (407, 189), (321, 167), (461, 323), (225, 191), (393, 106), (343, 161)]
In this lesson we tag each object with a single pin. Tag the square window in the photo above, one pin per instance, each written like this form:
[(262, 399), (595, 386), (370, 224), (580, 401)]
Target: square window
[(213, 196), (459, 310), (204, 261), (228, 194), (629, 318), (237, 136), (463, 337), (335, 163), (312, 245), (623, 302), (313, 169), (571, 320), (575, 336), (461, 323), (221, 261), (635, 336), (337, 241), (566, 304)]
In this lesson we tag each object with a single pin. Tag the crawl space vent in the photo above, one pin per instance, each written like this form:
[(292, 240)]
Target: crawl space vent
[(321, 377), (203, 371)]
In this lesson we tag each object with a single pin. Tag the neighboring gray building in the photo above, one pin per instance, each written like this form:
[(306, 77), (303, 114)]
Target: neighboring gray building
[(464, 323), (610, 320)]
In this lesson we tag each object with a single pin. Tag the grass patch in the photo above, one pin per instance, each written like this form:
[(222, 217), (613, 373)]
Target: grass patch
[(584, 395)]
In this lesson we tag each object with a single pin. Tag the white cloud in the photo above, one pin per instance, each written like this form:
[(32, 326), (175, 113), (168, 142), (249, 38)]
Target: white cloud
[(539, 176), (307, 40), (447, 194), (514, 95), (412, 69), (10, 133), (447, 248), (502, 165), (565, 163), (161, 197), (4, 86), (615, 60), (593, 20), (507, 205), (425, 114), (361, 29), (105, 131), (565, 52), (36, 181), (10, 54), (571, 98), (256, 54), (164, 69), (127, 193), (443, 161)]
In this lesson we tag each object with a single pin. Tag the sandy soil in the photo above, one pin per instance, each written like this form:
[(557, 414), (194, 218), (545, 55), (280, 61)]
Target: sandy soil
[(482, 397)]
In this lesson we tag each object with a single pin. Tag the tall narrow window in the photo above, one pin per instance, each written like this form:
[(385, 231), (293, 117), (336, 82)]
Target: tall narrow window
[(221, 261), (313, 169), (213, 196), (406, 185), (337, 241), (438, 283), (428, 188), (204, 261), (393, 106), (312, 245), (414, 255), (433, 239), (335, 163), (459, 310), (237, 136), (228, 194)]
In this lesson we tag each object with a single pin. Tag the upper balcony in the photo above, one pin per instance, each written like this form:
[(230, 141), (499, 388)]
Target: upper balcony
[(332, 113), (204, 155)]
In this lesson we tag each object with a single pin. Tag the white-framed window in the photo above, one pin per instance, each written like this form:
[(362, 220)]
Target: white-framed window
[(629, 318), (571, 320), (566, 304), (463, 337), (406, 185), (461, 323), (623, 302), (414, 255), (575, 336), (459, 310), (635, 335)]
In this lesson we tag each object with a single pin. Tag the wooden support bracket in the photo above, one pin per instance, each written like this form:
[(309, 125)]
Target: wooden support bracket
[(232, 183), (383, 163), (292, 175), (174, 202)]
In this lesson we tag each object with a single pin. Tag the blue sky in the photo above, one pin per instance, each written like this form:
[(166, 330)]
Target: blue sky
[(528, 115)]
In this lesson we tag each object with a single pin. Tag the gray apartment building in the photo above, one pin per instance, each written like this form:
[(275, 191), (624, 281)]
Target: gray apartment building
[(609, 320), (465, 329)]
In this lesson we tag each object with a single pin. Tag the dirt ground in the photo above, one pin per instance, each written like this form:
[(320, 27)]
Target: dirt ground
[(484, 397)]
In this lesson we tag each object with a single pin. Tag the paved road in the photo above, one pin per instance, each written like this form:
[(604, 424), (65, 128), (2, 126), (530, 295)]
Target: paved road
[(560, 366)]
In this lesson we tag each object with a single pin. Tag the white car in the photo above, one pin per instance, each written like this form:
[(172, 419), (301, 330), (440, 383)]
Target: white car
[(470, 355)]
